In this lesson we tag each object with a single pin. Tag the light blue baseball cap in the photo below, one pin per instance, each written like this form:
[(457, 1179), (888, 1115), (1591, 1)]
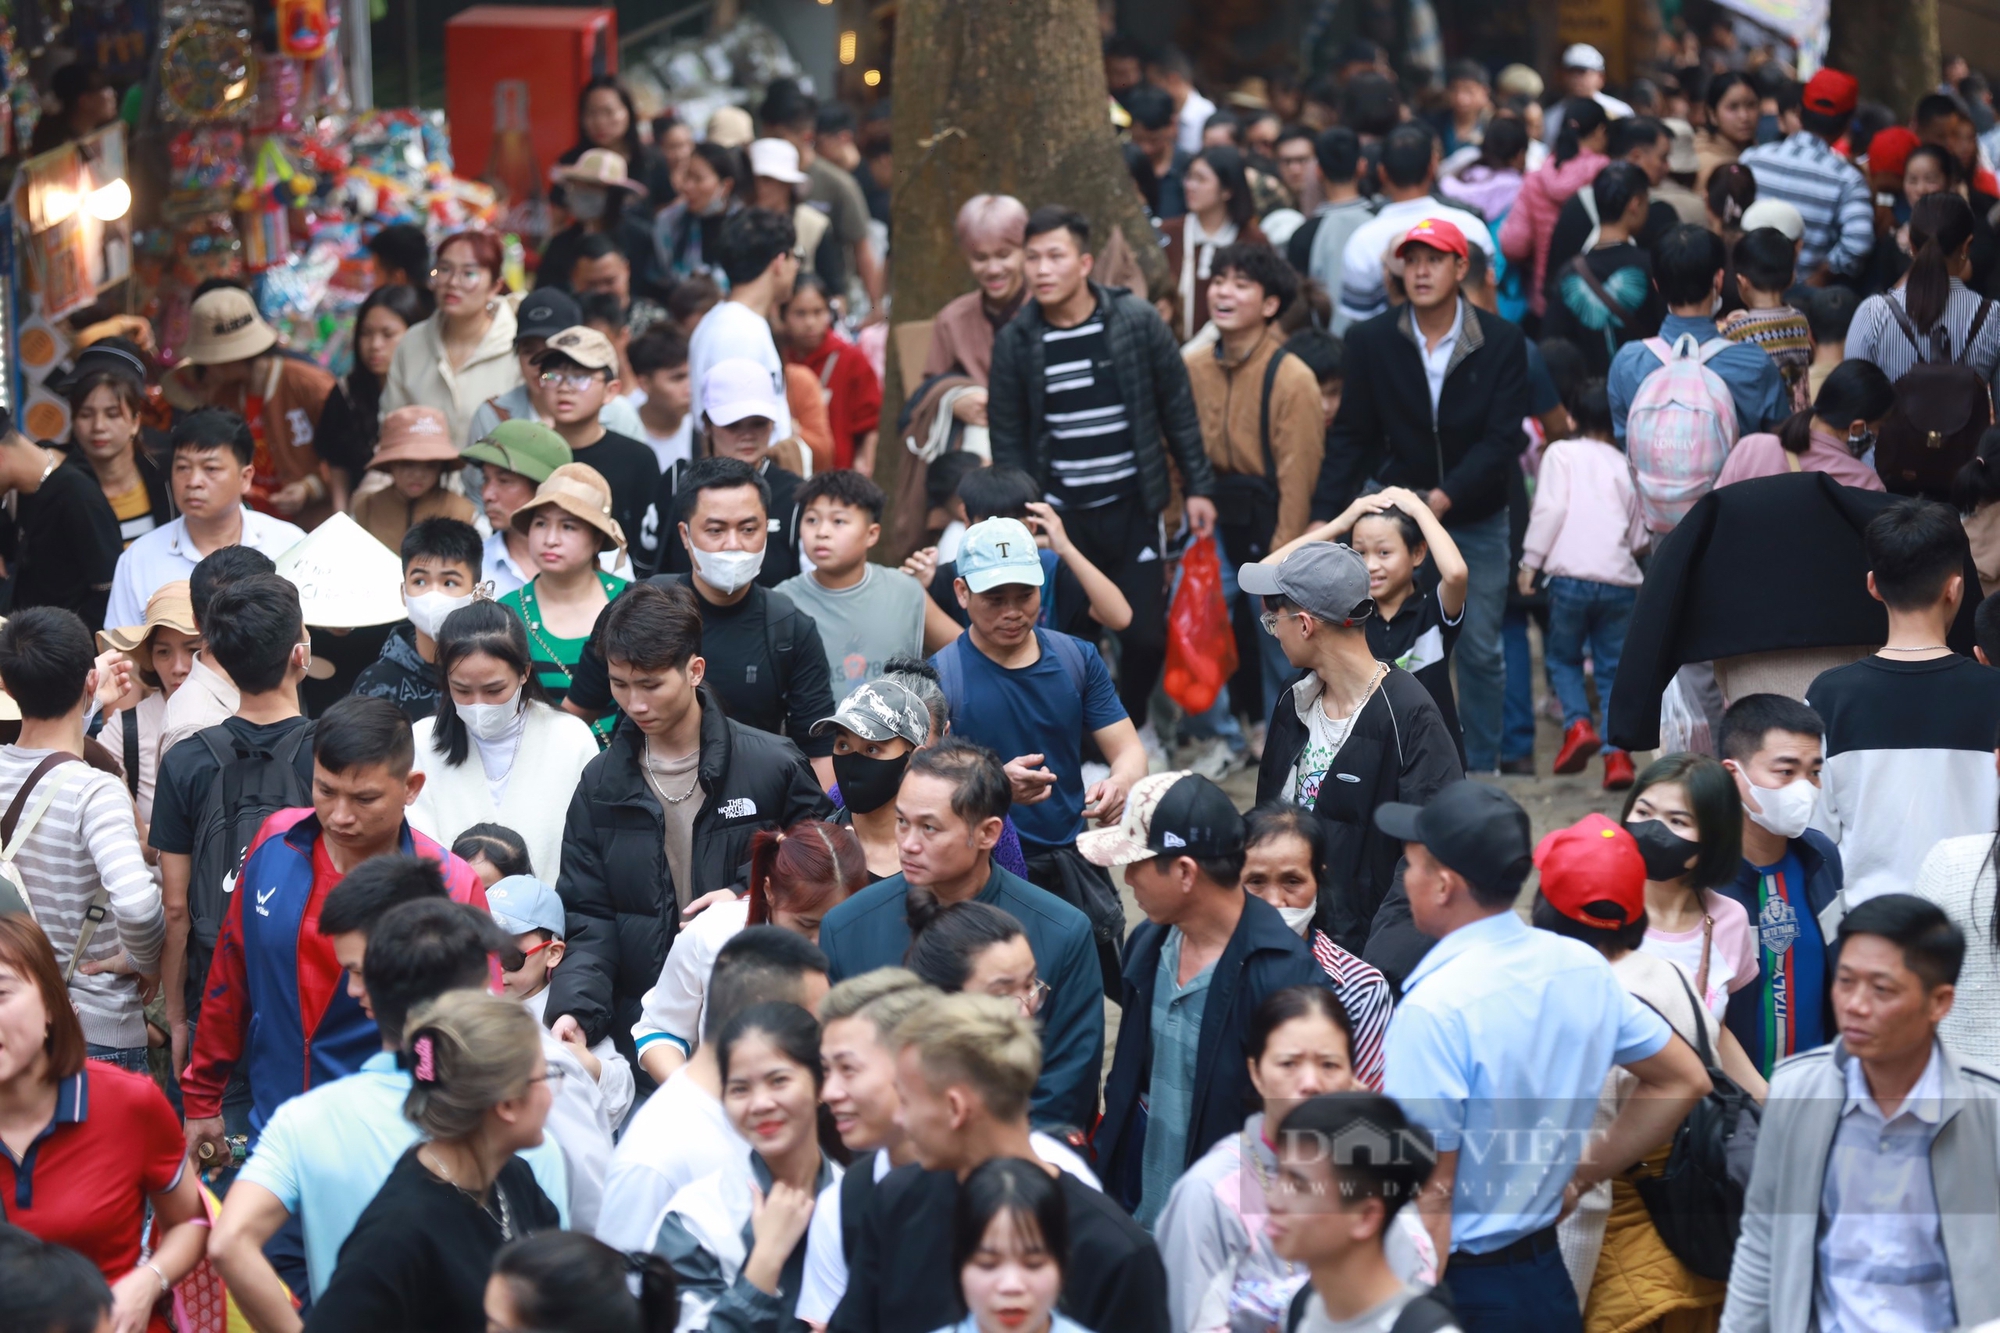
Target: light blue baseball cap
[(521, 903), (998, 551)]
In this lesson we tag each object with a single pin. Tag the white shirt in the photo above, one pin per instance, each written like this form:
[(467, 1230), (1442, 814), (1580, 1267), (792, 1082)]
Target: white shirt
[(166, 555), (728, 331), (581, 1119), (1362, 294), (825, 1280), (1439, 357), (1881, 1252), (673, 1007), (677, 1137), (676, 446), (1194, 116)]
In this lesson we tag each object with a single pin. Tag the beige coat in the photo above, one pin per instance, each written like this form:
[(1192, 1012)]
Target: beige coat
[(420, 375), (1228, 397)]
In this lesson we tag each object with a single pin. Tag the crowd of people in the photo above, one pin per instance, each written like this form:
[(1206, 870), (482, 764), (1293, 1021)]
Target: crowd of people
[(779, 991)]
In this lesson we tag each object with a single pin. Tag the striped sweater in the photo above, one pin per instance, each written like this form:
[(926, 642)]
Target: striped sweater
[(88, 837)]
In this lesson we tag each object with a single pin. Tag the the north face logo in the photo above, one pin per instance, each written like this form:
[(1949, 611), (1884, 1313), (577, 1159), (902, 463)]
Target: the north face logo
[(740, 808), (1172, 840)]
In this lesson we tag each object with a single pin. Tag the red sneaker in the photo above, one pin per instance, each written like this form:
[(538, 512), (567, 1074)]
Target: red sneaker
[(1580, 744), (1617, 770)]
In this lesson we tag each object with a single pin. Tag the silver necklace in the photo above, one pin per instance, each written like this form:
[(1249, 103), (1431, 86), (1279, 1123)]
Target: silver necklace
[(1927, 648), (504, 1218), (653, 772)]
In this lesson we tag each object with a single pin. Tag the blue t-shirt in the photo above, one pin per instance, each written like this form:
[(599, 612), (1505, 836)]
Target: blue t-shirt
[(1035, 709), (1791, 967)]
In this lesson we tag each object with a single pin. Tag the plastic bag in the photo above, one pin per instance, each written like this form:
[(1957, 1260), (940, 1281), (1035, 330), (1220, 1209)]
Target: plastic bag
[(1201, 643), (1683, 723)]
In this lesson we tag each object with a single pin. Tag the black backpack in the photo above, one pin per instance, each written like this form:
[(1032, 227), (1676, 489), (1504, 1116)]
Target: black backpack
[(251, 784), (1246, 504), (1942, 408), (1426, 1314), (1697, 1203)]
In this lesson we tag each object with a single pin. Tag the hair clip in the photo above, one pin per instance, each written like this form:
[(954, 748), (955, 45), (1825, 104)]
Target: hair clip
[(421, 1059), (483, 592)]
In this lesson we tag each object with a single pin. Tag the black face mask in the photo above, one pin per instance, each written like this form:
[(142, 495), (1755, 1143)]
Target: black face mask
[(868, 784), (1666, 852)]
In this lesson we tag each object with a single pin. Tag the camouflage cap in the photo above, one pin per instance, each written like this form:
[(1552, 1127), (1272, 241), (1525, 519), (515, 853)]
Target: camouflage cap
[(879, 709)]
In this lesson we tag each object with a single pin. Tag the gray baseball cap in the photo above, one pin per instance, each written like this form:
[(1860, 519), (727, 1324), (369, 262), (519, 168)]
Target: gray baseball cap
[(1324, 579), (879, 709)]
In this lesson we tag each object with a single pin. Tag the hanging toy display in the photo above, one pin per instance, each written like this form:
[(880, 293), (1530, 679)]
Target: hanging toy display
[(208, 63), (276, 186), (304, 29)]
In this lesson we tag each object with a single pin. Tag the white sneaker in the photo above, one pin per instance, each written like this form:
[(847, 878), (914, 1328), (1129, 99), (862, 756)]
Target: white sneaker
[(1213, 759)]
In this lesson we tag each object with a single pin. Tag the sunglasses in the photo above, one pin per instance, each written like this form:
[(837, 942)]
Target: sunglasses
[(513, 958)]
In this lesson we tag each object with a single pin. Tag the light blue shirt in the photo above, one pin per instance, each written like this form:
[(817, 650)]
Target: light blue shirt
[(1500, 1048), (1747, 369), (1882, 1265), (1176, 1017), (325, 1154)]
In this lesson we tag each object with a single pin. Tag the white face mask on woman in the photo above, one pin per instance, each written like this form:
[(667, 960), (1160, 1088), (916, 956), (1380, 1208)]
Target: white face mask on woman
[(490, 722), (1300, 919)]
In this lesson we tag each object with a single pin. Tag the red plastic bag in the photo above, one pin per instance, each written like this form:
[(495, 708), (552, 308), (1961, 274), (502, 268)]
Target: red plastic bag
[(1201, 643)]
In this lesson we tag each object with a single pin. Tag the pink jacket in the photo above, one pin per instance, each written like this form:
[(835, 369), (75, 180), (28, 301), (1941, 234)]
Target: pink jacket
[(1760, 455), (1531, 223), (1586, 522)]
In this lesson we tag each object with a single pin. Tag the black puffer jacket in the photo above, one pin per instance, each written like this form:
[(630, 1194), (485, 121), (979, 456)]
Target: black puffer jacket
[(1152, 381), (623, 911)]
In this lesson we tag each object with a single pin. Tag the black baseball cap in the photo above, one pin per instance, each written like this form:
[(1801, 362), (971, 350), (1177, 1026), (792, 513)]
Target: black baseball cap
[(545, 312), (1471, 827), (1169, 814)]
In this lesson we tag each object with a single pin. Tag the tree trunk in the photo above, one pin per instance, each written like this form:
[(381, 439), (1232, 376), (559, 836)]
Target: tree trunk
[(993, 97), (1891, 46)]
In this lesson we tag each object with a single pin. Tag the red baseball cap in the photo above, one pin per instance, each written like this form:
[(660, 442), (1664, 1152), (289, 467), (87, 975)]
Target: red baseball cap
[(1438, 234), (1593, 861), (1831, 92), (1889, 151)]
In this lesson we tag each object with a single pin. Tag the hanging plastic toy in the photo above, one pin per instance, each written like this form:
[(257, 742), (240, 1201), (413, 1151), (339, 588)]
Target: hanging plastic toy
[(304, 29)]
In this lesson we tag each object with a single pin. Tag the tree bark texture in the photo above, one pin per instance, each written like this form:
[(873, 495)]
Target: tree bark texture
[(993, 97), (1891, 46)]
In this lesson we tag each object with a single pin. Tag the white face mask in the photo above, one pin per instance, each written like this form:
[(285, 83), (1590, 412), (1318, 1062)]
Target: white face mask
[(1300, 919), (490, 722), (726, 571), (429, 609), (1785, 810)]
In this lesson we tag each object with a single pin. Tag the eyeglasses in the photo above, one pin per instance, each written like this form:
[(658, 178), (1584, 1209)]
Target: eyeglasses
[(574, 381), (1269, 620), (464, 277), (513, 958), (553, 1075), (1031, 999)]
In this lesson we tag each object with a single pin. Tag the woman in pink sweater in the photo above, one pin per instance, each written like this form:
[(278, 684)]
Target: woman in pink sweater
[(1582, 534), (1531, 223), (1831, 436)]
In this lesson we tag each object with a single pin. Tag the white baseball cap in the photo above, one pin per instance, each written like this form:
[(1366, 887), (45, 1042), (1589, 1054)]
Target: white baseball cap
[(1583, 56), (1776, 214), (735, 389), (777, 160)]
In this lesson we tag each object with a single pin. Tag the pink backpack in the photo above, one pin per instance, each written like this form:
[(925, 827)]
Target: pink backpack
[(1680, 429)]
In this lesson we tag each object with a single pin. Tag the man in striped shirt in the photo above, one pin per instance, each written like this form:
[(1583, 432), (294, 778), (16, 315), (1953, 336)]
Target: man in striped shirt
[(1090, 397), (86, 838), (1829, 191)]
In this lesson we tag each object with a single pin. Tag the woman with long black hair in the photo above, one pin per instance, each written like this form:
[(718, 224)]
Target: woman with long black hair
[(1934, 309), (352, 419), (106, 390), (1221, 211), (496, 751), (607, 118), (712, 184), (1531, 223)]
